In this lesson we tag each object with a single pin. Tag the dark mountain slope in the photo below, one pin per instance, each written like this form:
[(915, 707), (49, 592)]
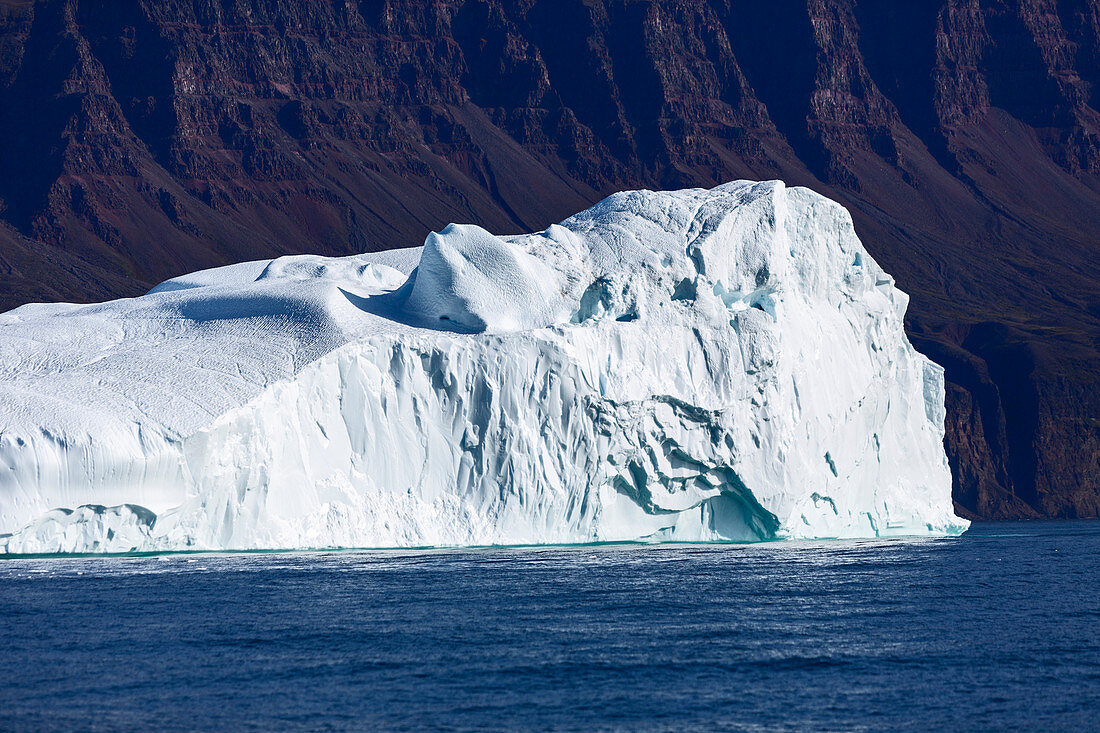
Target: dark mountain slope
[(143, 138)]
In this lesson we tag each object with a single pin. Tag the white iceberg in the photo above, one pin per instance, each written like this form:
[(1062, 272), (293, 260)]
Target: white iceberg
[(689, 366)]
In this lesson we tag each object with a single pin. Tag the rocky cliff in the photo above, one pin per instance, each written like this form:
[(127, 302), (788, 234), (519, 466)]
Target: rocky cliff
[(144, 138)]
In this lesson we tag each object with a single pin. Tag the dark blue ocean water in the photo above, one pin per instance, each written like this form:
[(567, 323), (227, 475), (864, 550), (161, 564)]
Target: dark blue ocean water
[(999, 628)]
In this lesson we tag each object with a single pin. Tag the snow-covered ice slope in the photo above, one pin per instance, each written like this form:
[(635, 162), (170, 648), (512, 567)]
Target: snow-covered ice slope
[(695, 365)]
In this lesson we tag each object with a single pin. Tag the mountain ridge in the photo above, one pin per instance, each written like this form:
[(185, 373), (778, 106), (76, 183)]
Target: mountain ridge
[(141, 140)]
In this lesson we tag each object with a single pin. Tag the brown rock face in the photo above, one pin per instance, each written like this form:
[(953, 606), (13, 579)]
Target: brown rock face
[(144, 138)]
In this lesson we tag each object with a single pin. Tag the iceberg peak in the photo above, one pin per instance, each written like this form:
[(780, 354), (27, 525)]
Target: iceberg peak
[(472, 280)]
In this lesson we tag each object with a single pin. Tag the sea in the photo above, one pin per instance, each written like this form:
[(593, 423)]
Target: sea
[(997, 629)]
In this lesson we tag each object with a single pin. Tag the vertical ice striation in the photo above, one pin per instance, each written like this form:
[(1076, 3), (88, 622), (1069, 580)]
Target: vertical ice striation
[(694, 365)]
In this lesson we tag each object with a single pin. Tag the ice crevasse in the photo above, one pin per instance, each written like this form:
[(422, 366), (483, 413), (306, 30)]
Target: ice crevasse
[(697, 365)]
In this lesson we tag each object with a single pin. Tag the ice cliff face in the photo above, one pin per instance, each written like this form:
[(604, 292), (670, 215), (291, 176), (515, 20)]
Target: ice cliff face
[(697, 365)]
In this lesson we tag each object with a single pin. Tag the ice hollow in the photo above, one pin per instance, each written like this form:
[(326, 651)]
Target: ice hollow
[(697, 365)]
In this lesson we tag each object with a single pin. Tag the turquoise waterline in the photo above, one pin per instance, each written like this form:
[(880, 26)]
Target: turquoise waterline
[(458, 548)]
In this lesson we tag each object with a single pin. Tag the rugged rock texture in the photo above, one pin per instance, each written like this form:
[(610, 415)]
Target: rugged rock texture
[(140, 139)]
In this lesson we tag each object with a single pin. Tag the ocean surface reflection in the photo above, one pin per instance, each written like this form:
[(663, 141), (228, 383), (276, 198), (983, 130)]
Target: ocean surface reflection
[(997, 628)]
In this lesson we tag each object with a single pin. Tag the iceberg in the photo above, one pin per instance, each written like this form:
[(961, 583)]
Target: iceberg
[(697, 365)]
